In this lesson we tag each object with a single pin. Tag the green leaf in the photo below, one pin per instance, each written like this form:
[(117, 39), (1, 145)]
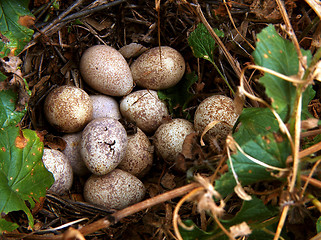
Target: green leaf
[(179, 96), (254, 122), (14, 36), (202, 43), (252, 212), (7, 226), (319, 225), (278, 54), (8, 99), (271, 149), (23, 176)]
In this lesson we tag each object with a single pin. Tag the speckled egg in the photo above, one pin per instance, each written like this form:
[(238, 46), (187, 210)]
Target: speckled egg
[(145, 109), (103, 145), (72, 152), (105, 106), (215, 108), (169, 138), (139, 155), (106, 71), (115, 190), (68, 108), (57, 163), (158, 68)]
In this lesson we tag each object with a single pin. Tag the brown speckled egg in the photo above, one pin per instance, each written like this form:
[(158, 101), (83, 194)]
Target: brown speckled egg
[(105, 106), (57, 163), (72, 152), (68, 108), (145, 109), (115, 190), (103, 145), (106, 71), (139, 155), (158, 68), (169, 138), (215, 108)]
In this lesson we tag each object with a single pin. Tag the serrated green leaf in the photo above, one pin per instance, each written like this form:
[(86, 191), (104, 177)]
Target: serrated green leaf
[(271, 149), (23, 176), (252, 212), (14, 36), (278, 54), (7, 226), (254, 122), (8, 99), (179, 96), (202, 43)]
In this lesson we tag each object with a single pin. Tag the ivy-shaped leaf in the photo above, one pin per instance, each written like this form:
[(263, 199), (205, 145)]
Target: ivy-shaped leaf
[(202, 43), (278, 54), (23, 176), (15, 18)]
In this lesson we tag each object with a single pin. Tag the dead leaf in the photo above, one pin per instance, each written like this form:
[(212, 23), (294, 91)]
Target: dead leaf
[(21, 141), (73, 234), (54, 142), (132, 50), (167, 181), (26, 21), (309, 123)]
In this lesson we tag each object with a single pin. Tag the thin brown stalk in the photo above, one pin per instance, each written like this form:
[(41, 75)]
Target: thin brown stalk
[(306, 152), (311, 181), (232, 21)]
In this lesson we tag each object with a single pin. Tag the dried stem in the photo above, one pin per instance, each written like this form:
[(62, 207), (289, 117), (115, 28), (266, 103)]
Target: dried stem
[(307, 181), (176, 217)]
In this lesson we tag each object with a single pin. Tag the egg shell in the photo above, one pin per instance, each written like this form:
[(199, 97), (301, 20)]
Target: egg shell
[(105, 106), (106, 71), (169, 138), (215, 108), (68, 108), (57, 163), (145, 109), (158, 68), (72, 152), (103, 145), (139, 155), (115, 190)]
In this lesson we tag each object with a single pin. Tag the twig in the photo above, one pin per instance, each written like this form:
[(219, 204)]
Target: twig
[(103, 223), (311, 181), (59, 18), (316, 147), (117, 216), (91, 11)]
